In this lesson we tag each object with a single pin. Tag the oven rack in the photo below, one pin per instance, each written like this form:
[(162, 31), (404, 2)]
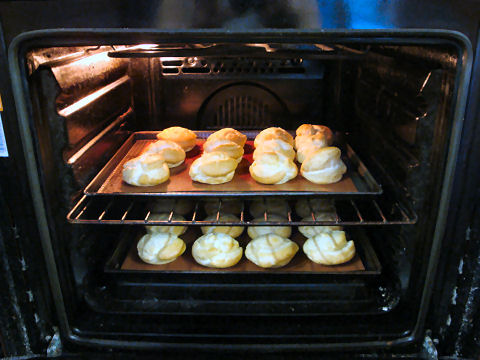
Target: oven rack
[(135, 211)]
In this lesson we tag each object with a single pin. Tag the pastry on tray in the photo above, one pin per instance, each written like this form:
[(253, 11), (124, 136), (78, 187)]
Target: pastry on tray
[(217, 250), (146, 170), (330, 248), (272, 133), (308, 130), (277, 146), (160, 248), (184, 137), (257, 231), (173, 153), (271, 168), (324, 166), (308, 144), (312, 230), (271, 251), (228, 147), (233, 231), (228, 134), (170, 229), (213, 168)]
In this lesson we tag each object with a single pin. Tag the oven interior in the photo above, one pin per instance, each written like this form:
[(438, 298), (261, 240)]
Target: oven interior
[(392, 103)]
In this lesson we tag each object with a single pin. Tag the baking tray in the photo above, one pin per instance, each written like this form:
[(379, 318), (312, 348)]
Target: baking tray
[(125, 259), (357, 180)]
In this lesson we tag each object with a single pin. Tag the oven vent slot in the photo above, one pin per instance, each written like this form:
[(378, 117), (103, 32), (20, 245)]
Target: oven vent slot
[(134, 211), (248, 111)]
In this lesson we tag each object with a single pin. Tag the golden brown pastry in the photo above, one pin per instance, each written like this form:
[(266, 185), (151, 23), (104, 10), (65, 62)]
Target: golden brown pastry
[(183, 137), (305, 207), (233, 231), (229, 134), (229, 206), (178, 206), (160, 248), (217, 251), (271, 206), (228, 147), (146, 170), (311, 230), (271, 168), (308, 130), (213, 168), (257, 231), (277, 146), (273, 133), (271, 251), (173, 153), (170, 229), (324, 166), (329, 248), (308, 144)]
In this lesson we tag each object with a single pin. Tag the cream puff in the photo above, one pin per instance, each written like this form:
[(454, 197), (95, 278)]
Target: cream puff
[(312, 230), (305, 207), (271, 251), (277, 146), (146, 170), (173, 153), (308, 130), (213, 168), (259, 207), (184, 137), (228, 147), (229, 134), (217, 250), (160, 248), (273, 133), (329, 248), (233, 231), (271, 168), (170, 229), (230, 206), (257, 231), (324, 166)]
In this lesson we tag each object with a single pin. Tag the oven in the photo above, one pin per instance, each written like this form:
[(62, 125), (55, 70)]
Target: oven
[(89, 99)]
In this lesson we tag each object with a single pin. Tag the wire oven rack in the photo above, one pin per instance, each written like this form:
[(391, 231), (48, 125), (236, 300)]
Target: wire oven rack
[(135, 211)]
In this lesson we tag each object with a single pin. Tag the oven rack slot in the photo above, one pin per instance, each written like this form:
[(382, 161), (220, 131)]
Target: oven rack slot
[(135, 211)]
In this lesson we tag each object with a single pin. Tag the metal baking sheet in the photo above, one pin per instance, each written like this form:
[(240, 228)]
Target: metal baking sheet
[(364, 262), (357, 180)]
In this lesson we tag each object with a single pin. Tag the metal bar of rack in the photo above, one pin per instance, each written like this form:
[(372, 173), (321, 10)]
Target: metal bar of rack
[(131, 211)]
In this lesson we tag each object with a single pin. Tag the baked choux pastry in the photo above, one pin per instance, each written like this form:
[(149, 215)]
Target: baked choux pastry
[(308, 130), (146, 170), (309, 230), (178, 206), (257, 231), (229, 134), (324, 166), (229, 206), (213, 168), (273, 133), (307, 144), (271, 251), (305, 207), (269, 205), (160, 248), (271, 168), (217, 251), (277, 146), (233, 231), (329, 248), (173, 153), (170, 229), (228, 147), (183, 137)]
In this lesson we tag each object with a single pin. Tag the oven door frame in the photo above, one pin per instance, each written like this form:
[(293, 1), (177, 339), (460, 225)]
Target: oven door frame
[(66, 37)]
